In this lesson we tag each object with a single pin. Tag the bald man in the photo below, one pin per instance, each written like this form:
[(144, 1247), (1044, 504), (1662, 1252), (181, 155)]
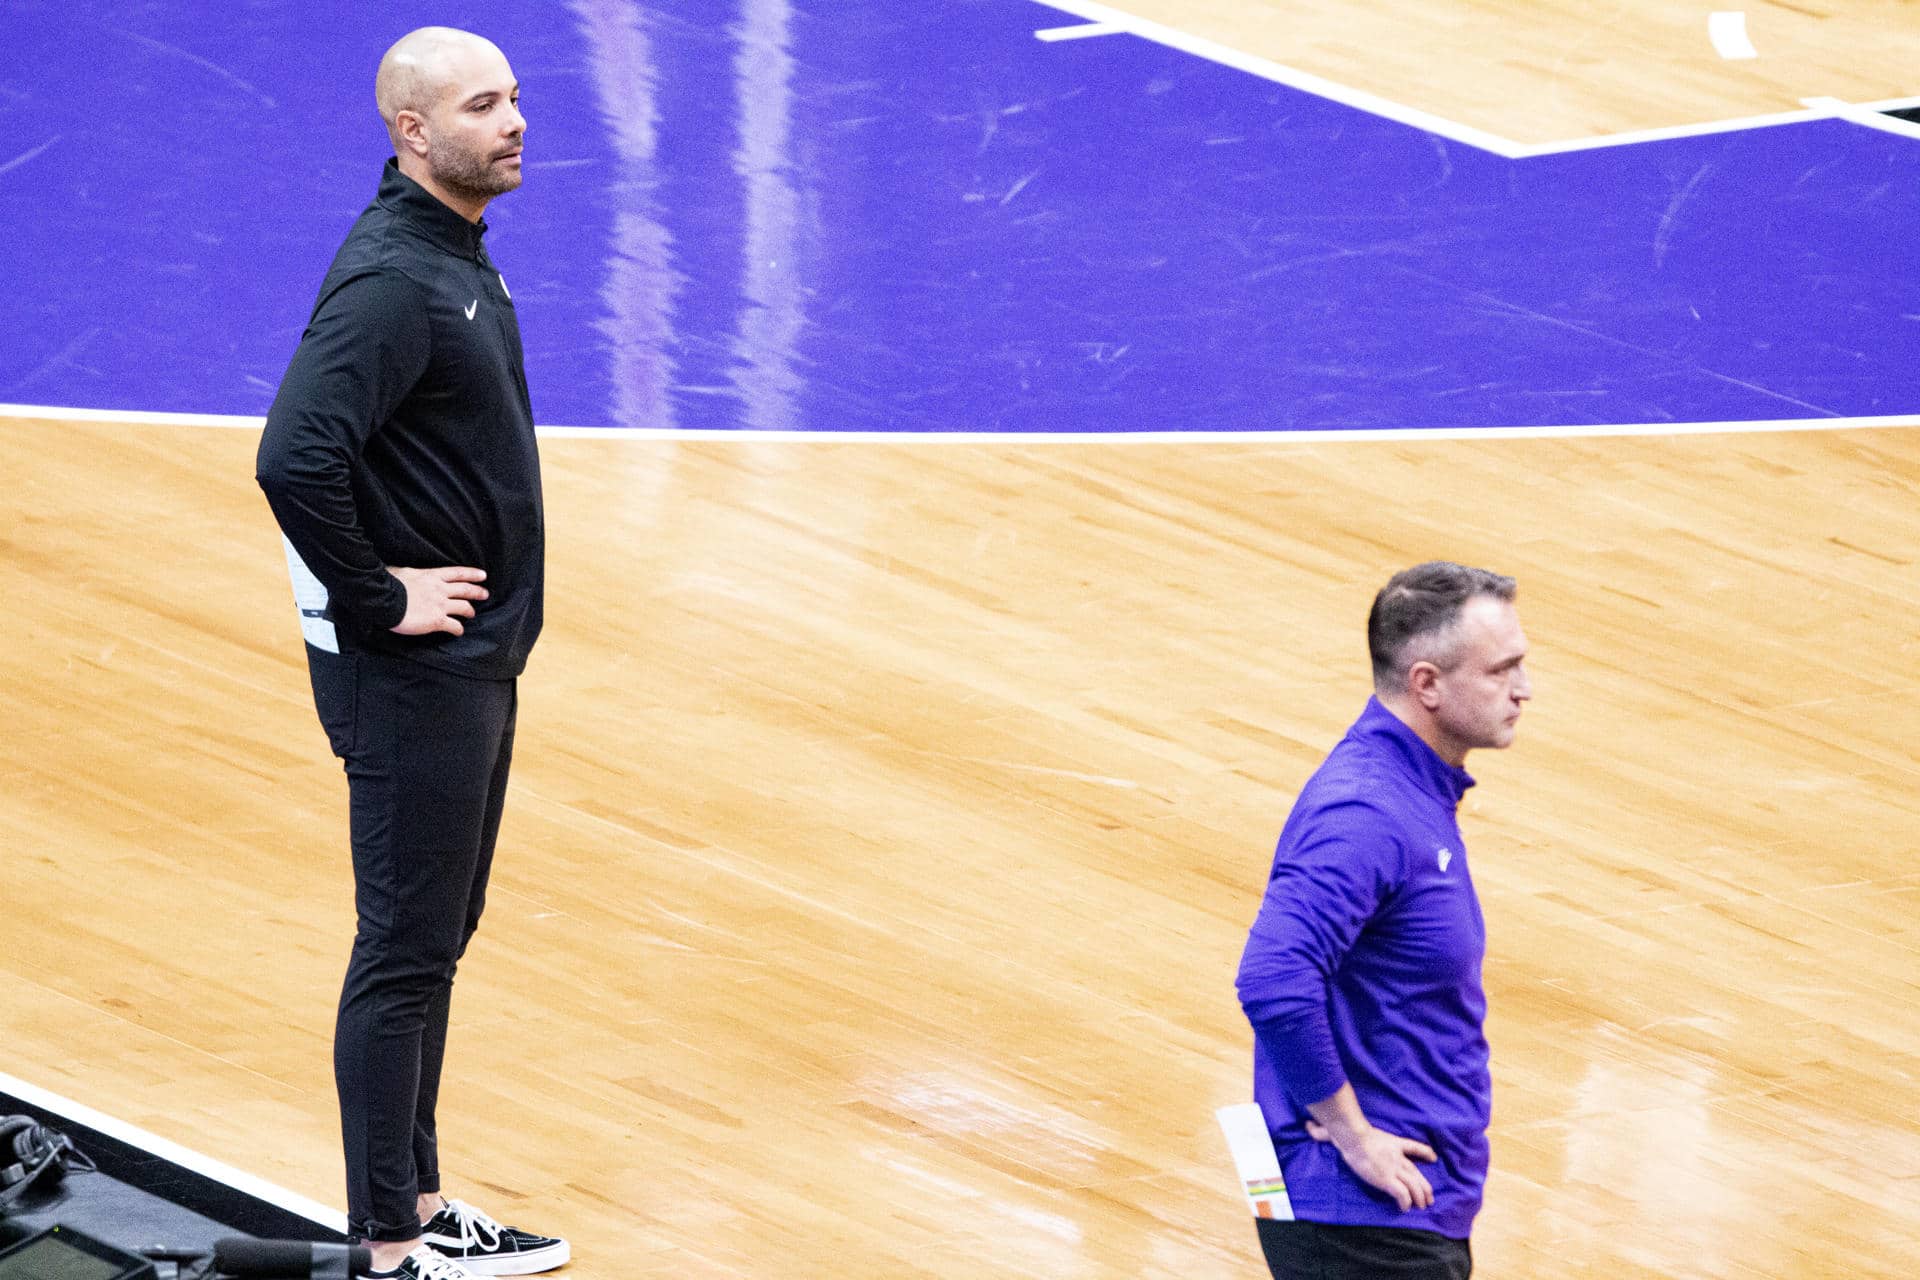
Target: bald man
[(400, 462)]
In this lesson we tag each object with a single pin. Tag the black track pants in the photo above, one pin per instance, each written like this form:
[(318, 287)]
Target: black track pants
[(426, 755)]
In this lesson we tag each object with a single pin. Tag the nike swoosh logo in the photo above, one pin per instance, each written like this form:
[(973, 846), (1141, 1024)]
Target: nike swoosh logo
[(472, 307)]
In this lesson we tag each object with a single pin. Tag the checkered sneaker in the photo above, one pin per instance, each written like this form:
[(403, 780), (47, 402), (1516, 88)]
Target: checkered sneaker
[(484, 1247)]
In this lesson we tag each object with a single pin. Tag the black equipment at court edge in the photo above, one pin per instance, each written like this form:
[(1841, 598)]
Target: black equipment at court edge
[(29, 1153), (289, 1259), (61, 1253)]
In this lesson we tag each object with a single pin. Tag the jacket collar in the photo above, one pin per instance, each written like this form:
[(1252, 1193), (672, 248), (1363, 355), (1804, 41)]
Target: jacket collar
[(423, 210), (1380, 727)]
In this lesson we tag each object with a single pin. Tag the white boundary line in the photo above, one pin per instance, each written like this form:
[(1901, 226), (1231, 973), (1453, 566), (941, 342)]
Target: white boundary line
[(1668, 134), (1266, 69), (206, 1166), (1867, 116), (61, 413), (1312, 436), (1053, 35), (1356, 435)]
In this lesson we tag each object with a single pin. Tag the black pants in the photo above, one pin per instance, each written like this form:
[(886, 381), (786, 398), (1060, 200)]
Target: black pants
[(426, 756), (1321, 1251)]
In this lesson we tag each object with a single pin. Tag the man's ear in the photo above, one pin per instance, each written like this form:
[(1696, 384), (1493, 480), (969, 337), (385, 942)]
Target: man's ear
[(411, 129), (1423, 684)]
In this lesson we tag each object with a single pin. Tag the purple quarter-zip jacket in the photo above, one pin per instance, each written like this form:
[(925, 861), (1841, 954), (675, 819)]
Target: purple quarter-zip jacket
[(1363, 967)]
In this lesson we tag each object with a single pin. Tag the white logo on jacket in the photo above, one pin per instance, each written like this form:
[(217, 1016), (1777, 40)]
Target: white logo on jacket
[(1444, 856), (472, 307)]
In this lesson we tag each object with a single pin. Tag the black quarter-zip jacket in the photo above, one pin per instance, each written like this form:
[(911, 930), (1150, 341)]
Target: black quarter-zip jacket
[(402, 435)]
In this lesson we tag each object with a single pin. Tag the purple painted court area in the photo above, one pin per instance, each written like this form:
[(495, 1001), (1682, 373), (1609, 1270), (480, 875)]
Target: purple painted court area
[(857, 215)]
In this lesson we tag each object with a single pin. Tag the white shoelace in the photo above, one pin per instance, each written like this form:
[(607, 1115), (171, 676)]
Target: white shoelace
[(437, 1266), (476, 1228)]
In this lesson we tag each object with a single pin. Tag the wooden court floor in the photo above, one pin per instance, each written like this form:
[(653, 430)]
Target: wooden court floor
[(888, 817), (1547, 71)]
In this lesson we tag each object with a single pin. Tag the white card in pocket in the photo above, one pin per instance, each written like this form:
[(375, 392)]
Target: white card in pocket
[(1255, 1160)]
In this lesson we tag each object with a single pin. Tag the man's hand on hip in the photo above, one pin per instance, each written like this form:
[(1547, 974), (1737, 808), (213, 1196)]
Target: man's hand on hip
[(1385, 1161), (1381, 1160), (438, 598)]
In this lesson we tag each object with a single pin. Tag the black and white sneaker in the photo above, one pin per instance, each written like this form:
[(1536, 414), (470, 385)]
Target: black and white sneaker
[(424, 1264), (484, 1247)]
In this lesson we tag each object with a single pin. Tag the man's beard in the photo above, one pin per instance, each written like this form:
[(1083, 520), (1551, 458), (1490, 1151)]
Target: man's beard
[(469, 174)]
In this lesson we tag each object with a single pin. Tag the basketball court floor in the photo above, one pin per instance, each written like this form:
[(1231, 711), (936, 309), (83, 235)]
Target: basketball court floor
[(976, 431)]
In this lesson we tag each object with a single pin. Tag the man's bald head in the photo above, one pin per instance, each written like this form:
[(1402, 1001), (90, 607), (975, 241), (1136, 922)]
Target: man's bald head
[(452, 109), (423, 67)]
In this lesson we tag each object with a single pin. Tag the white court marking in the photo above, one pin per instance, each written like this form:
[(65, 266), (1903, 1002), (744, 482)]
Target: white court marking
[(1867, 117), (1358, 435), (1372, 104), (1728, 32), (173, 1152), (1054, 34)]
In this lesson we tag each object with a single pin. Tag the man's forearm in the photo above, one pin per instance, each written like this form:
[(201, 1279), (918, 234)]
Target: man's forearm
[(1341, 1116)]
